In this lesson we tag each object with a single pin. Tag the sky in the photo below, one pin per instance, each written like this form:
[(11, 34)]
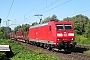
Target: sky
[(18, 12)]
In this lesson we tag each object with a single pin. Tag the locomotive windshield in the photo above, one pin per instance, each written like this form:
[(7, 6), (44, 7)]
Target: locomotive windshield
[(64, 27), (59, 27), (68, 26)]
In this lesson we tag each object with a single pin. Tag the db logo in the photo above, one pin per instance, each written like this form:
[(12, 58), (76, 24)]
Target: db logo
[(65, 34)]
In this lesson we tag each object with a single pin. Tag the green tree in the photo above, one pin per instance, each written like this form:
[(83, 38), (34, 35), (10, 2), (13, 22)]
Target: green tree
[(87, 33), (34, 23), (17, 28), (1, 33), (22, 27), (80, 21), (25, 26), (47, 19), (6, 31), (54, 17)]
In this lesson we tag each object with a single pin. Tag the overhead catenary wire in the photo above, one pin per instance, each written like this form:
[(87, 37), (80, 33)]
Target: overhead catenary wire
[(57, 6), (76, 11), (25, 19), (65, 3), (33, 10), (49, 5), (46, 6), (38, 6), (80, 12), (10, 9)]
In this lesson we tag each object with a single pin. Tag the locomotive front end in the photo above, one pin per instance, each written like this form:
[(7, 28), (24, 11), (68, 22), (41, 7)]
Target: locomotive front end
[(65, 35)]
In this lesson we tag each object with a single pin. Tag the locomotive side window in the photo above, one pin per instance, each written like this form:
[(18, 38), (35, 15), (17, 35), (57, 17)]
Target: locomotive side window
[(68, 26), (50, 28), (59, 27)]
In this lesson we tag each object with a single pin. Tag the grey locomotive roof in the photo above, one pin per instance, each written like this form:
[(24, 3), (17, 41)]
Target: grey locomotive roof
[(39, 25)]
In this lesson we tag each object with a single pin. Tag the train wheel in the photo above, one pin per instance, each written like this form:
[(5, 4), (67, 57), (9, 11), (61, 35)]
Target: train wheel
[(45, 46), (27, 41), (49, 47), (42, 45), (30, 42), (53, 50), (38, 44)]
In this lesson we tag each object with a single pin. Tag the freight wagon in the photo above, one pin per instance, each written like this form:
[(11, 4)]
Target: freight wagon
[(12, 35), (20, 35)]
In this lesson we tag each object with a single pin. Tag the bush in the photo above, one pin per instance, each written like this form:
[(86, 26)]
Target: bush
[(80, 39), (23, 53)]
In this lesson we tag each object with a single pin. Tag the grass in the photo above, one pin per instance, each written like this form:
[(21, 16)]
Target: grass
[(3, 56), (23, 53), (87, 52), (82, 40)]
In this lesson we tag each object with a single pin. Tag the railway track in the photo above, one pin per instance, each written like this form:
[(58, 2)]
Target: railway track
[(80, 56), (82, 46), (75, 55)]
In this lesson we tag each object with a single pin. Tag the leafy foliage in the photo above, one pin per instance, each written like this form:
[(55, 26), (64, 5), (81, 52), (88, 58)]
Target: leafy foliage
[(80, 39), (34, 23), (53, 17), (23, 53), (81, 24), (87, 52), (1, 33), (4, 32), (23, 27)]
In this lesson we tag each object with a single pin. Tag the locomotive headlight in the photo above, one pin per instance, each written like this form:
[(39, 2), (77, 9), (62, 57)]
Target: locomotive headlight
[(59, 34), (71, 39), (70, 34), (58, 39)]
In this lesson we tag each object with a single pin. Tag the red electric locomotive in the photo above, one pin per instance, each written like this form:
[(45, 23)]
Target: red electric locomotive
[(53, 35)]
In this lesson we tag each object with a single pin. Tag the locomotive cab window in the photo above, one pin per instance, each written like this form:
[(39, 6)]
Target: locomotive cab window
[(59, 27), (50, 28), (68, 26)]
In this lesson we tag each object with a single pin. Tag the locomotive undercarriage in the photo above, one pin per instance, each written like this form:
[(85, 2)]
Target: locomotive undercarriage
[(66, 46)]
